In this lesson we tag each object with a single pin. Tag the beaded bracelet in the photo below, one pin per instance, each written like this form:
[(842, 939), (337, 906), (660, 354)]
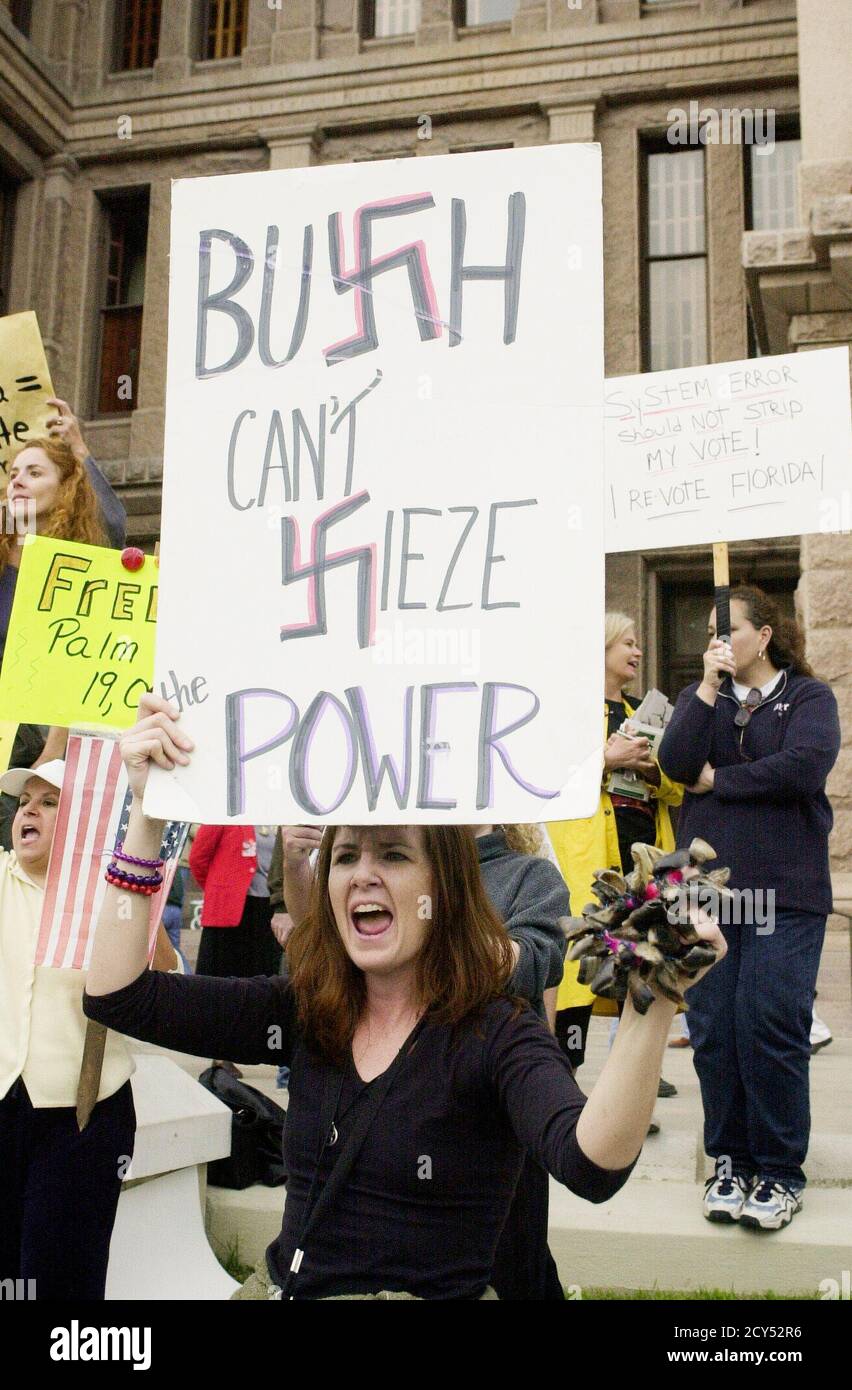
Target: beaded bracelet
[(134, 883), (118, 853)]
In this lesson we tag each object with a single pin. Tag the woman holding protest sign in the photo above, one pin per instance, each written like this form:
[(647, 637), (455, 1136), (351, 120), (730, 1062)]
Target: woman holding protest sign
[(59, 1186), (53, 488), (754, 742), (416, 1083), (582, 847)]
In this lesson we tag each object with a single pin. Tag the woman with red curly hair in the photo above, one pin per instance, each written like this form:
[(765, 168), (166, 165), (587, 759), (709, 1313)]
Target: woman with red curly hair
[(54, 488)]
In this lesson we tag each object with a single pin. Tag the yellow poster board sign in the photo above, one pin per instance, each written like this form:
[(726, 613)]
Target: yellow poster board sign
[(25, 385), (7, 740), (80, 648)]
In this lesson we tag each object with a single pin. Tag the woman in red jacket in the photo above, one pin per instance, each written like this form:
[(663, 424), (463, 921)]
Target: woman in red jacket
[(231, 864)]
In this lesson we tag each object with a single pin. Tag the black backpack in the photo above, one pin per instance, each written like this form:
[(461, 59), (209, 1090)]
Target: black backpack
[(257, 1132)]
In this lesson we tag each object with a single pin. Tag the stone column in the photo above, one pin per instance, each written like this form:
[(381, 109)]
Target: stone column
[(60, 173), (297, 32), (437, 22), (178, 35), (293, 148)]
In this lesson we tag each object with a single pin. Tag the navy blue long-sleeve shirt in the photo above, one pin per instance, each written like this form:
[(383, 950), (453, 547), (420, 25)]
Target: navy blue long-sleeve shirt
[(424, 1205), (768, 816)]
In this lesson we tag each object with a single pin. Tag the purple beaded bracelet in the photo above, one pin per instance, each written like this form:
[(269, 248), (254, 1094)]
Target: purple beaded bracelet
[(145, 879), (118, 853)]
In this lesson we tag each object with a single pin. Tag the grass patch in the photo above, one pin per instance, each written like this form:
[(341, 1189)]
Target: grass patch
[(229, 1259)]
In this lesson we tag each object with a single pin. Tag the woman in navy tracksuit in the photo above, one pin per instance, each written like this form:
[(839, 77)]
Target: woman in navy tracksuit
[(754, 742)]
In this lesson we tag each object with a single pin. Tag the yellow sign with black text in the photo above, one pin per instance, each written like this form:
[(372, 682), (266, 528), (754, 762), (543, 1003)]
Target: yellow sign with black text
[(25, 385), (80, 647)]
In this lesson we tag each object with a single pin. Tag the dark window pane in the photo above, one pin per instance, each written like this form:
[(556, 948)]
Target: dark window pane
[(139, 33), (7, 223), (225, 24), (676, 203), (22, 15), (123, 293), (773, 184), (677, 293), (121, 338)]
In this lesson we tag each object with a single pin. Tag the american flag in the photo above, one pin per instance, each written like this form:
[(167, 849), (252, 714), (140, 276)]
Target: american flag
[(91, 819)]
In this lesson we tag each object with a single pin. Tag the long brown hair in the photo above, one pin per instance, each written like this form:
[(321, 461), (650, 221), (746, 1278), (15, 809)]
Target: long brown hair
[(75, 515), (787, 643), (465, 962)]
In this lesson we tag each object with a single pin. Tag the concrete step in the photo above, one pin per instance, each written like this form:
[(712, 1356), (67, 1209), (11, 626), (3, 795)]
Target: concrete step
[(655, 1236), (651, 1235), (246, 1221)]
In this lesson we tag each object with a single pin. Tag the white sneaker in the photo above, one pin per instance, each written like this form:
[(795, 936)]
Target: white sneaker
[(820, 1033), (770, 1205), (724, 1198)]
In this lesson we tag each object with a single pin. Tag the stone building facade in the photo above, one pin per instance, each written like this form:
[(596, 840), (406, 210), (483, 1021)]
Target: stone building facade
[(98, 117)]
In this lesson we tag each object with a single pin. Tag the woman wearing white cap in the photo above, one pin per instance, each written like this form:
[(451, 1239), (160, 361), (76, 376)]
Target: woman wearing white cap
[(59, 1187)]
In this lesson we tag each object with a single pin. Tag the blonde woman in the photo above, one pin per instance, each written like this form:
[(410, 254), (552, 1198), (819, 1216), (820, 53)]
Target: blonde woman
[(603, 840)]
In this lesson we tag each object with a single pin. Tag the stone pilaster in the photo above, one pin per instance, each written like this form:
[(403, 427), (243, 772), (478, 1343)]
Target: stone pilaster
[(619, 11), (65, 38), (340, 32), (566, 14), (822, 601), (572, 121), (178, 41), (60, 173), (295, 148), (257, 51), (725, 216), (147, 418), (296, 38), (437, 22), (530, 18), (99, 46)]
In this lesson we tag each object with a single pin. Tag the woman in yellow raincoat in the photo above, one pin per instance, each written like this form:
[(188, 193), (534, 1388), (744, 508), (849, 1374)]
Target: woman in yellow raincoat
[(581, 847)]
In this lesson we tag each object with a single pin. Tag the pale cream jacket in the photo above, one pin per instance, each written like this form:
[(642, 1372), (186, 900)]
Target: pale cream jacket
[(42, 1024)]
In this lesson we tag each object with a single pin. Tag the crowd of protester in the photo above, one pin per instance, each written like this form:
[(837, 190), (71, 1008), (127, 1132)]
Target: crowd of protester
[(429, 1055)]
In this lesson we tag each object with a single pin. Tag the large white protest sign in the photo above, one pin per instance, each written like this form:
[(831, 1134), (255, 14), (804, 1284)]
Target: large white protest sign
[(382, 551), (732, 451)]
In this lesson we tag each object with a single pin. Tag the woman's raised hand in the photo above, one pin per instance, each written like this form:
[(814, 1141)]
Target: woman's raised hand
[(299, 842), (718, 663), (64, 425), (154, 738)]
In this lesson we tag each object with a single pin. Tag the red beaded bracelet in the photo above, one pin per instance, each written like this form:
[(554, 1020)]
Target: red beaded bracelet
[(133, 883)]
